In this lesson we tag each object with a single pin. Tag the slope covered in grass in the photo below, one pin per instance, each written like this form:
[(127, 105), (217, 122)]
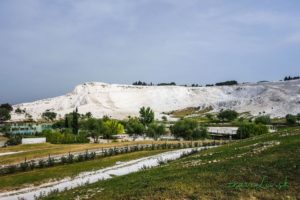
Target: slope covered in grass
[(207, 175)]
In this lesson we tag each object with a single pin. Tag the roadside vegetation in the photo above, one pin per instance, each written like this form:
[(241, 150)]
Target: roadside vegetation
[(43, 175)]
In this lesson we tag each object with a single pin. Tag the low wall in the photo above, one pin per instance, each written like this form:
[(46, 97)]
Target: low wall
[(33, 140)]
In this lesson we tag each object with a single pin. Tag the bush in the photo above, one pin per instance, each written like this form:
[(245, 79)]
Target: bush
[(14, 140), (188, 129), (24, 166), (227, 115), (70, 158), (50, 161), (155, 130), (80, 158), (249, 130), (55, 137), (32, 165), (263, 120), (12, 169), (92, 155), (291, 119), (134, 126), (63, 160), (42, 163)]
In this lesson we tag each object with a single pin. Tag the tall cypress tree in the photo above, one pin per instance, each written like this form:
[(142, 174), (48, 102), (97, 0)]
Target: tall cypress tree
[(75, 126), (66, 121)]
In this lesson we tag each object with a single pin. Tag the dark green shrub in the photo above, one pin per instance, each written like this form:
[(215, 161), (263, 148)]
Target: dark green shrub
[(249, 130), (291, 119), (263, 120), (24, 166), (32, 165), (64, 160), (80, 158), (70, 158), (50, 161), (14, 140), (227, 115), (42, 163), (12, 169), (92, 155)]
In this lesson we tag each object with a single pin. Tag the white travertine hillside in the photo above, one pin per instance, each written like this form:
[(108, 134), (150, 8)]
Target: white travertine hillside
[(120, 101)]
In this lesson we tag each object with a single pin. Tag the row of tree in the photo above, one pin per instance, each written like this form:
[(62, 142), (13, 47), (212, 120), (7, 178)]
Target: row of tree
[(289, 78), (151, 84)]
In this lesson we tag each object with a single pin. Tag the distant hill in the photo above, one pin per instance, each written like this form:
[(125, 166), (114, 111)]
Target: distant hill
[(120, 101)]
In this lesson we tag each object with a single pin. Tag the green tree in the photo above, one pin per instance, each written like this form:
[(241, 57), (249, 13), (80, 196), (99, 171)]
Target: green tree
[(227, 115), (200, 133), (291, 119), (298, 116), (146, 116), (95, 127), (263, 120), (49, 115), (88, 115), (164, 118), (75, 125), (4, 114), (134, 126), (67, 124), (7, 106), (59, 124), (188, 129), (155, 130), (113, 127)]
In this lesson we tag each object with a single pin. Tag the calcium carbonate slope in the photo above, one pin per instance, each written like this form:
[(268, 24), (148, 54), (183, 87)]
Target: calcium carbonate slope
[(119, 101)]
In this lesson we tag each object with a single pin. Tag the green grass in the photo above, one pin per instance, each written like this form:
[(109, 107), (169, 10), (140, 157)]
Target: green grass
[(38, 176), (205, 175)]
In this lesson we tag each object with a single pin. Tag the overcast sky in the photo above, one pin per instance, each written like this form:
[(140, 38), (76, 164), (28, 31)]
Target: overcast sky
[(47, 47)]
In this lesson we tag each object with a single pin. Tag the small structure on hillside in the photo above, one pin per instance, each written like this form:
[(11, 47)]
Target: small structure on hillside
[(27, 128), (33, 140)]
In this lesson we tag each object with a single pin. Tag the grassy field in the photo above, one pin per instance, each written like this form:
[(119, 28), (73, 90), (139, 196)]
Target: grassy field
[(39, 176), (206, 175), (33, 151)]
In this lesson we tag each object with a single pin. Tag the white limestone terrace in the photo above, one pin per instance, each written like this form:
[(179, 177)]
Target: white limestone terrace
[(119, 101)]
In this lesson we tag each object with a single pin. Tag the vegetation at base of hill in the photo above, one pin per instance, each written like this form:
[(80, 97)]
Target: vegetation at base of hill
[(189, 129), (66, 137), (250, 130), (291, 119), (263, 120), (49, 116), (210, 174), (155, 130), (228, 115), (134, 126)]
